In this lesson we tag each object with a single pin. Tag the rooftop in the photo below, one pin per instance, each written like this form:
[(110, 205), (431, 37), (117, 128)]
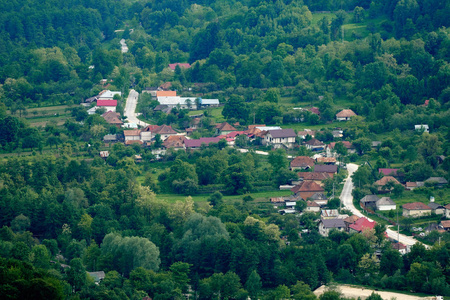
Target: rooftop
[(345, 113), (416, 206)]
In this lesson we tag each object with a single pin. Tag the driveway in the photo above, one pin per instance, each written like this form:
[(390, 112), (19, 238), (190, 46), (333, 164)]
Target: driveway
[(347, 200), (130, 108)]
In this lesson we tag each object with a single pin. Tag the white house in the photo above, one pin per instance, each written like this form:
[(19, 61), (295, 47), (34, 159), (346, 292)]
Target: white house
[(280, 138), (108, 95), (385, 203)]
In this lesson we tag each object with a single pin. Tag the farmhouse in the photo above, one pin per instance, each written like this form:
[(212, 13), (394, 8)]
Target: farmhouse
[(109, 105), (416, 209), (314, 145), (385, 203), (302, 162), (325, 225), (345, 115), (360, 225)]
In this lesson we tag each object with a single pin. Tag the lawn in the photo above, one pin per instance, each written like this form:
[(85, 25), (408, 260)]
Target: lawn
[(316, 17)]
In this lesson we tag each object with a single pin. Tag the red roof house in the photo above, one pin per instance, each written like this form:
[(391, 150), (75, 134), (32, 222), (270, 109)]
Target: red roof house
[(360, 225), (109, 103), (302, 162), (181, 65)]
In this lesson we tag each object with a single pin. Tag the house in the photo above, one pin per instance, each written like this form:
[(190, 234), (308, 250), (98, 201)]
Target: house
[(319, 198), (166, 94), (109, 105), (110, 138), (437, 208), (132, 135), (348, 145), (104, 154), (447, 211), (181, 65), (330, 169), (422, 128), (112, 118), (325, 225), (164, 131), (197, 143), (400, 247), (175, 142), (350, 220), (304, 133), (97, 276), (326, 160), (312, 206), (376, 144), (209, 102), (277, 201), (385, 203), (369, 202), (108, 95), (224, 128), (314, 110), (416, 209), (438, 182), (384, 181), (314, 145), (361, 225), (306, 189), (302, 162), (345, 115), (176, 101), (317, 177), (280, 138), (446, 225), (411, 185), (137, 158), (147, 133), (329, 214)]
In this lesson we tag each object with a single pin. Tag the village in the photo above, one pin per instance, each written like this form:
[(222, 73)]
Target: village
[(327, 161)]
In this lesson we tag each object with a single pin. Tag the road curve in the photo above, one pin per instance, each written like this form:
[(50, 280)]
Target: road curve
[(347, 200), (130, 108)]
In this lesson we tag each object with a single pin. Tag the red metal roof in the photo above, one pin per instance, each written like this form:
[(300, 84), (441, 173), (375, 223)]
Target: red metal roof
[(361, 224), (106, 102)]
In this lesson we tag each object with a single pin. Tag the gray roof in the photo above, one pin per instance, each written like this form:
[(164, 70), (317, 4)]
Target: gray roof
[(333, 223), (97, 275), (325, 168), (385, 201), (435, 205), (110, 137), (282, 133), (370, 198), (318, 196)]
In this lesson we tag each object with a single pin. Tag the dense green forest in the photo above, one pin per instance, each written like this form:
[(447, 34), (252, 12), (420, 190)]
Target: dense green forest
[(65, 211)]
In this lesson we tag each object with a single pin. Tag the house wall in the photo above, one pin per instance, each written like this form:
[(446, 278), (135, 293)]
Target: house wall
[(132, 138), (386, 207), (440, 211), (313, 209), (416, 213), (343, 119), (109, 108), (146, 136), (447, 213)]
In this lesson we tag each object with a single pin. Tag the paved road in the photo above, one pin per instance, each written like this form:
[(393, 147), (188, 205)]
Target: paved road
[(130, 108), (347, 200), (259, 152)]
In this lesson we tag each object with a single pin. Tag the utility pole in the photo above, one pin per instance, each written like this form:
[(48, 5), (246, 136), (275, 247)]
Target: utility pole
[(398, 228)]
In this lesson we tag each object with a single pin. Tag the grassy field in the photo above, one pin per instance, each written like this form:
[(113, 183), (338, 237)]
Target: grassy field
[(258, 196), (40, 116)]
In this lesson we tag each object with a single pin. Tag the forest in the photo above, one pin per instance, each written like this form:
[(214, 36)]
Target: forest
[(65, 211)]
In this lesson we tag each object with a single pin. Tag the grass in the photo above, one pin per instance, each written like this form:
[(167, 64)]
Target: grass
[(316, 17), (40, 116), (258, 196)]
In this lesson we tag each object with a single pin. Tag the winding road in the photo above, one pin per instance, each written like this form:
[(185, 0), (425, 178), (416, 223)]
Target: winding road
[(347, 200), (130, 108)]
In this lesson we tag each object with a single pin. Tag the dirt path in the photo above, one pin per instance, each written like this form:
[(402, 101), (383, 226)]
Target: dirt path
[(354, 292)]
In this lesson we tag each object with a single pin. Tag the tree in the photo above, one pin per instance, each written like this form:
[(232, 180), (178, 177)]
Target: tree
[(128, 253), (236, 108), (272, 95), (362, 145), (237, 179), (20, 223), (358, 14), (215, 199), (253, 284), (390, 262), (278, 159), (302, 291), (76, 274), (374, 296)]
